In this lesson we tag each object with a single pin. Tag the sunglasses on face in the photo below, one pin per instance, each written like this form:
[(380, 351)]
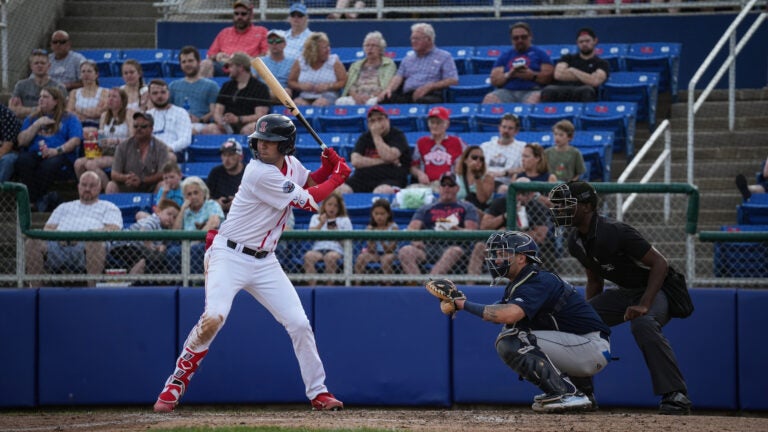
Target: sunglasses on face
[(60, 41), (520, 37), (241, 13), (476, 157), (297, 15), (274, 41), (142, 126)]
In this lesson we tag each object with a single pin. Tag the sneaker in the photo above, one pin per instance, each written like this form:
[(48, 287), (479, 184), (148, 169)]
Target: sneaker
[(326, 402), (564, 403), (675, 403), (741, 183)]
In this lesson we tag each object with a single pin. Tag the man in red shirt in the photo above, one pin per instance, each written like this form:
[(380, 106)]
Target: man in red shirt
[(242, 36), (436, 153)]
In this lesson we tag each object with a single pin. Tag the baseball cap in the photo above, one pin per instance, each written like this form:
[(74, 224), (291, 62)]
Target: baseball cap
[(231, 145), (377, 108), (241, 59), (583, 192), (276, 32), (448, 179), (298, 7), (242, 3), (145, 116), (439, 112)]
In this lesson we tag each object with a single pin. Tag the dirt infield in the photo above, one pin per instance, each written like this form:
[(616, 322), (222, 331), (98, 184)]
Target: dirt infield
[(483, 419)]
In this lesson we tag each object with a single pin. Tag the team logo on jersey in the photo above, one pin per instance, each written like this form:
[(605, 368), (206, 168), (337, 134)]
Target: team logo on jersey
[(288, 187)]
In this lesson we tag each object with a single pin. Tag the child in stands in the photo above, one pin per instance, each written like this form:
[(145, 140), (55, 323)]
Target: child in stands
[(382, 252), (332, 216)]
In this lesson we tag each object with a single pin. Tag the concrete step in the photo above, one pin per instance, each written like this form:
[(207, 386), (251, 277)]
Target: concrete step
[(114, 40), (722, 94), (744, 108), (104, 10), (88, 24)]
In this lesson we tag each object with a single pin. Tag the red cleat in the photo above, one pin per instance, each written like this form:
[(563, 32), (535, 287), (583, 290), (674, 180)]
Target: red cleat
[(326, 402)]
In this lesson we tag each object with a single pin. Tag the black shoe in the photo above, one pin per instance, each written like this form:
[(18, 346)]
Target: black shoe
[(741, 183), (675, 403)]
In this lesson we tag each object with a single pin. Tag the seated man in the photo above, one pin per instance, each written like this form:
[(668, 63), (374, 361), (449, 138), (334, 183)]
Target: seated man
[(224, 179), (578, 76), (435, 154), (26, 92), (381, 157), (86, 214), (139, 160), (447, 214)]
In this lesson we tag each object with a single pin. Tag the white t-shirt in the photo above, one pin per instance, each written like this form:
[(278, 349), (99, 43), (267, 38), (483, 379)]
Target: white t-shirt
[(500, 157), (343, 223), (76, 216), (172, 126)]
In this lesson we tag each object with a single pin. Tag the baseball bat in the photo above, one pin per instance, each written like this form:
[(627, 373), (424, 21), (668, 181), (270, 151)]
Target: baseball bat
[(279, 92)]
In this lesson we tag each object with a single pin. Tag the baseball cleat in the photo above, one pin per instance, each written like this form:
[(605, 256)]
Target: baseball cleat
[(169, 397), (564, 403), (326, 402), (164, 407)]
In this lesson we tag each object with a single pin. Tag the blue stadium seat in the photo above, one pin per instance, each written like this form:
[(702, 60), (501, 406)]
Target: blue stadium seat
[(613, 53), (205, 148), (489, 116), (129, 204), (741, 259), (462, 57), (618, 117), (485, 56), (339, 141), (470, 89), (639, 87), (308, 150), (752, 213), (660, 57), (596, 148), (220, 80), (407, 117), (348, 55), (462, 116), (545, 114), (477, 138), (106, 60), (359, 205), (152, 60), (198, 169), (111, 81), (544, 138), (555, 51), (398, 53), (309, 112), (342, 118)]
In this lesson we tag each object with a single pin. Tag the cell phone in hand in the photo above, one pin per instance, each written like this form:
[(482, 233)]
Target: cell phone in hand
[(518, 64), (332, 223)]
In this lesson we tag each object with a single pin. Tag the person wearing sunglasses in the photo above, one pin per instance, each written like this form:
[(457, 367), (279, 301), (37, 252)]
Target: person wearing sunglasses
[(65, 63), (520, 73), (475, 183), (276, 60), (26, 92), (243, 36), (299, 32), (139, 160)]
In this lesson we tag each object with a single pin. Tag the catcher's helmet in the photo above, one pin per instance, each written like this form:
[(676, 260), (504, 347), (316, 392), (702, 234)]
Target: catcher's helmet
[(274, 127), (564, 198), (505, 245)]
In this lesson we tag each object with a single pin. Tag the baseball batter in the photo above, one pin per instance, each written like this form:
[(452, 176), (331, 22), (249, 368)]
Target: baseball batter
[(241, 256)]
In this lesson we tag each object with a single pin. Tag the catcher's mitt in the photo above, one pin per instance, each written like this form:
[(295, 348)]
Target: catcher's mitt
[(447, 292)]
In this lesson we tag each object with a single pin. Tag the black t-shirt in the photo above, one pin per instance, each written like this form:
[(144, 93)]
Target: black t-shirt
[(242, 102), (613, 250), (587, 65), (221, 183), (366, 179)]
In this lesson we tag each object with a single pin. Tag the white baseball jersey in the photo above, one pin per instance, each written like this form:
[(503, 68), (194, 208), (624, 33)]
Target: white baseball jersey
[(262, 204)]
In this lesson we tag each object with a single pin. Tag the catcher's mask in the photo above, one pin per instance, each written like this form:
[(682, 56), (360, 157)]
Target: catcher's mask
[(504, 246), (566, 196), (277, 128)]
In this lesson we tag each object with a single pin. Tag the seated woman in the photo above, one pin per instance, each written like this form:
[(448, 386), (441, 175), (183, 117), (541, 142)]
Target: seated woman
[(368, 77), (475, 183), (331, 216), (317, 76), (89, 101), (138, 93), (115, 125), (48, 141)]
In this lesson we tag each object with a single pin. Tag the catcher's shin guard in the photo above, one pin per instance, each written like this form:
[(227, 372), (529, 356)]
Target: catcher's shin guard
[(177, 383), (519, 351)]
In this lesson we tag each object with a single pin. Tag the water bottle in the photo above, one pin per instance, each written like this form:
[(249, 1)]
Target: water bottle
[(186, 103)]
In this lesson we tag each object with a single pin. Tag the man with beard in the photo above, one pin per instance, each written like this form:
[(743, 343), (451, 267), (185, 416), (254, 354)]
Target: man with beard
[(171, 123), (578, 76), (195, 94), (242, 36), (224, 179), (503, 153)]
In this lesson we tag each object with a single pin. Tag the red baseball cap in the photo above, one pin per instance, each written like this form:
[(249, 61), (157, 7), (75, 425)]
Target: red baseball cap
[(439, 112), (377, 108)]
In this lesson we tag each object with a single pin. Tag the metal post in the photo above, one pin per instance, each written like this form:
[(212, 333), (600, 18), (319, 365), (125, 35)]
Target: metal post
[(348, 263), (185, 262), (4, 42), (667, 172), (732, 83)]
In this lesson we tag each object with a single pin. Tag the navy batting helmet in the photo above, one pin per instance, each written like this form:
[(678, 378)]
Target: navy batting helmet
[(277, 128), (503, 246)]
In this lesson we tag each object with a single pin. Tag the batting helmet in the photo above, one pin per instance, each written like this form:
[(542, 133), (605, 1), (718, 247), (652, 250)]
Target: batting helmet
[(277, 128), (504, 246), (564, 198)]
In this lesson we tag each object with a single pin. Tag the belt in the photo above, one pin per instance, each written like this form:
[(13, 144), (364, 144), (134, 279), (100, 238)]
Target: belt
[(258, 254)]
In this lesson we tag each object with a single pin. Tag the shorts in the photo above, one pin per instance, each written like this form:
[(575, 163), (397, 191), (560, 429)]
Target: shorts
[(513, 96), (65, 255)]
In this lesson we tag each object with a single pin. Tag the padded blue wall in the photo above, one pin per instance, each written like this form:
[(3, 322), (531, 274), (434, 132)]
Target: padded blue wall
[(752, 349), (18, 336)]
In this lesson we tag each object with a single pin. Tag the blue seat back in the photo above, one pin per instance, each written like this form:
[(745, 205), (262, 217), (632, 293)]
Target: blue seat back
[(613, 53), (349, 55), (485, 56), (544, 115), (152, 61), (470, 89), (489, 116), (462, 57), (639, 87), (310, 113), (555, 51), (130, 203), (398, 53), (407, 117), (660, 57), (205, 148), (106, 60), (544, 138), (342, 118), (462, 116), (617, 117), (198, 169)]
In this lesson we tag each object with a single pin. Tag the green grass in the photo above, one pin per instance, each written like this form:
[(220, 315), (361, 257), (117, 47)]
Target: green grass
[(265, 429)]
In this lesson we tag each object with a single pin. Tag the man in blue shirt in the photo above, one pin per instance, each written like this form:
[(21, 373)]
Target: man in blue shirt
[(194, 93)]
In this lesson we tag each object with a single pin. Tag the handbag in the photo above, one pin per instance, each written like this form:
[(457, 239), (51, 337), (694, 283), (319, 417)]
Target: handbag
[(678, 297)]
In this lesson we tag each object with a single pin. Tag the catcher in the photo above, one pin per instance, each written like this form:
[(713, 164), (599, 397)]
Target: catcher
[(551, 336)]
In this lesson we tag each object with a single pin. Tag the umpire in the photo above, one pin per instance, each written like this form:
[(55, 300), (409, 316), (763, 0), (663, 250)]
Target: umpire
[(615, 251)]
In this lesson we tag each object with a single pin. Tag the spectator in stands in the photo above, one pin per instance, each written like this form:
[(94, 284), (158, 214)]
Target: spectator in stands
[(89, 100), (447, 214), (759, 188), (503, 153), (26, 92), (343, 4), (138, 93), (65, 63), (475, 183), (87, 213), (299, 32), (49, 138), (423, 75), (369, 76), (535, 165), (171, 123), (197, 95), (243, 36), (382, 252), (520, 73), (578, 76), (533, 218), (137, 255), (332, 216), (317, 75), (139, 159), (115, 126), (9, 134), (436, 153), (198, 213), (170, 186), (565, 161), (241, 101), (224, 179), (381, 157), (276, 60)]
